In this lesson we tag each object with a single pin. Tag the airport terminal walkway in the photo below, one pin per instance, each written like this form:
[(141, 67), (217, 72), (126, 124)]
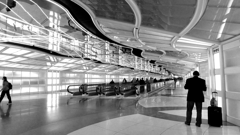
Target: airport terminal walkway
[(63, 114)]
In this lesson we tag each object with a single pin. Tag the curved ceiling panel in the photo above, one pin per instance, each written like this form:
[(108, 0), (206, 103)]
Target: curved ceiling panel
[(118, 10), (169, 15), (219, 22)]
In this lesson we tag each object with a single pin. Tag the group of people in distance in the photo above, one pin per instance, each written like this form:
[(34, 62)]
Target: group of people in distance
[(195, 86)]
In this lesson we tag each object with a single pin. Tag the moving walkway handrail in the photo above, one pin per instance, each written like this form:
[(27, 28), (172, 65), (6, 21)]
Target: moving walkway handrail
[(71, 86), (99, 84), (117, 85)]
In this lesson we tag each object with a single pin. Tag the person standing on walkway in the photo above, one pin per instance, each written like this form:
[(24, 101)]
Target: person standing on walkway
[(5, 90), (195, 86)]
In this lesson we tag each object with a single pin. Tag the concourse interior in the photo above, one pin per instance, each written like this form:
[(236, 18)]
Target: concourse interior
[(117, 67)]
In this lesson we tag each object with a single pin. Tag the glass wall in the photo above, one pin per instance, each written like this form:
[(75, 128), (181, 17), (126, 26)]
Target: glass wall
[(26, 81), (232, 80), (218, 86)]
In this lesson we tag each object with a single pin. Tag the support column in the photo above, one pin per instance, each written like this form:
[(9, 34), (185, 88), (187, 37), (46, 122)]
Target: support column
[(222, 67), (211, 71)]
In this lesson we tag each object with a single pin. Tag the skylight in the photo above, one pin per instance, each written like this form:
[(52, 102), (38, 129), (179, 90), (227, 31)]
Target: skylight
[(33, 55), (11, 50), (17, 59), (21, 52), (5, 57), (1, 47)]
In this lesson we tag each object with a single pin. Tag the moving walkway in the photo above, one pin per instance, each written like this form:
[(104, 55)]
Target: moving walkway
[(124, 89)]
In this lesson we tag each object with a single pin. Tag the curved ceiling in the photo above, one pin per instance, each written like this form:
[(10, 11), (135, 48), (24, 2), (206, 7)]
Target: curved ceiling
[(152, 25), (175, 33)]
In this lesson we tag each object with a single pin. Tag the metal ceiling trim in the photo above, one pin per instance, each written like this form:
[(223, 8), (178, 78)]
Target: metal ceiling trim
[(201, 6), (137, 13), (158, 31), (138, 19), (90, 12)]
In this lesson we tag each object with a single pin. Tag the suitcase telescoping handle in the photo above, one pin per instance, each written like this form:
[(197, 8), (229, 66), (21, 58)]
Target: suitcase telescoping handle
[(214, 100), (214, 94)]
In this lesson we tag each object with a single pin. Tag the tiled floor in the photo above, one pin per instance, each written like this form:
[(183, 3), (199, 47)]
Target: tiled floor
[(138, 124), (63, 114)]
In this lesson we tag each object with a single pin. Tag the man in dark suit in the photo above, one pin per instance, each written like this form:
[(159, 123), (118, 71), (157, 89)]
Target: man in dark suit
[(195, 86)]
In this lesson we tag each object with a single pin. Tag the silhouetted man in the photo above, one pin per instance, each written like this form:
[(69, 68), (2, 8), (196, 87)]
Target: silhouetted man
[(195, 87)]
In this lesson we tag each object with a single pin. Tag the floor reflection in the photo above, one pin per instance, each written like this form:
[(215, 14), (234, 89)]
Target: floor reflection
[(52, 102), (5, 113)]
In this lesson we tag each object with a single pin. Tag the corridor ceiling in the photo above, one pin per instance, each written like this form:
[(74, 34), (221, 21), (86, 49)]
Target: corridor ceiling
[(176, 34)]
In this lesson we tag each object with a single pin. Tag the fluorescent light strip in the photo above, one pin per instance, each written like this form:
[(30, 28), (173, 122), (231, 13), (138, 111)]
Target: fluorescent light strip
[(194, 41), (229, 7), (221, 28), (182, 38), (191, 47)]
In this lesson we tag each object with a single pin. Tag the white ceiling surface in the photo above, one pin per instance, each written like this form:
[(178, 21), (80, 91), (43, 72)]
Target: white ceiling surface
[(143, 38)]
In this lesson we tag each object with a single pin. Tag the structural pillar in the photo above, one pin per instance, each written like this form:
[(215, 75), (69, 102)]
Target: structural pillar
[(222, 67)]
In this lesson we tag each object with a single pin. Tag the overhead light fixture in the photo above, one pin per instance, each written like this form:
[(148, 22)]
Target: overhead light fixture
[(221, 28), (191, 41), (192, 47), (229, 7)]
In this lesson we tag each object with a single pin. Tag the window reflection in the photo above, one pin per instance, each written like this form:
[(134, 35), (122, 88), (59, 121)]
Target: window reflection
[(216, 61), (218, 82)]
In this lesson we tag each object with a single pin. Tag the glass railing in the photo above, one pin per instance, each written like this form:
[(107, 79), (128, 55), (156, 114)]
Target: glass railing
[(18, 31)]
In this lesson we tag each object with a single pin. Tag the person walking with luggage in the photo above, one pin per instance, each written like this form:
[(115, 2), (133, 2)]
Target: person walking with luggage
[(195, 86), (5, 90)]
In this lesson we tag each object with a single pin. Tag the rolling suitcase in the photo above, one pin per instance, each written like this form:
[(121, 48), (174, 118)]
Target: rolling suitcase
[(215, 116), (214, 112)]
